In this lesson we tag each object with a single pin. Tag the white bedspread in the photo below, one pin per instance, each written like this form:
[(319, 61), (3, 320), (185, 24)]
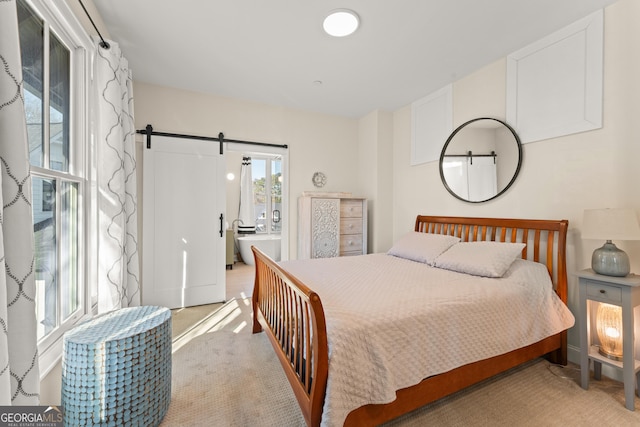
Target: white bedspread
[(392, 322)]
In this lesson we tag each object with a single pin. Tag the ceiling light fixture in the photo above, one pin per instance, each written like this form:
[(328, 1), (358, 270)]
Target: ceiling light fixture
[(341, 22)]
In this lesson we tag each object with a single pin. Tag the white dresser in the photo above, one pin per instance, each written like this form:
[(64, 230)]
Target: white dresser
[(330, 225)]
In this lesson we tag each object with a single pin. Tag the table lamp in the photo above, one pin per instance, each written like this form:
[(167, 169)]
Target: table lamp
[(608, 225), (609, 329)]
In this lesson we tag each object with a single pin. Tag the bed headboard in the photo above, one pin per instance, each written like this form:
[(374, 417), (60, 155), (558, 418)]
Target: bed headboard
[(546, 239)]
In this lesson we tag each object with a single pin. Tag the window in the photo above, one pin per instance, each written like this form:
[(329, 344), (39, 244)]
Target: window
[(54, 73), (267, 193)]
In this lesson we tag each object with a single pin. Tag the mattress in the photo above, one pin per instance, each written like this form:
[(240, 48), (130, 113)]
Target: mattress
[(392, 322)]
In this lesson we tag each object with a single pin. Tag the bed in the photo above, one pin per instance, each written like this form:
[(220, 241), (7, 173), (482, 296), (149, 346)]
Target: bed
[(358, 349)]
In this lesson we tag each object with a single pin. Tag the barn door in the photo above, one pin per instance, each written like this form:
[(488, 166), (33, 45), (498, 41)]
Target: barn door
[(183, 247)]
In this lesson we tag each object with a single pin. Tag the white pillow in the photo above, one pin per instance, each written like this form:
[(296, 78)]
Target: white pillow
[(422, 247), (486, 259)]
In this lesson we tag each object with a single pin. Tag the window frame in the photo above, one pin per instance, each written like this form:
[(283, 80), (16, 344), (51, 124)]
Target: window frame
[(268, 159), (61, 20)]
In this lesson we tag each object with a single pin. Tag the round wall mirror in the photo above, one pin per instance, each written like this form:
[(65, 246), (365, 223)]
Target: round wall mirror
[(480, 160)]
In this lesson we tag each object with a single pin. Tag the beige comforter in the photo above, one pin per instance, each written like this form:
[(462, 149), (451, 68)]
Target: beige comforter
[(392, 322)]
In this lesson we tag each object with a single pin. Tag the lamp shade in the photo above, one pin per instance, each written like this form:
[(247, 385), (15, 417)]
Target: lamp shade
[(609, 329), (610, 224)]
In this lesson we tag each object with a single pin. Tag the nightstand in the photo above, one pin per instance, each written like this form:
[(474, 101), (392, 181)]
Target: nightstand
[(618, 291)]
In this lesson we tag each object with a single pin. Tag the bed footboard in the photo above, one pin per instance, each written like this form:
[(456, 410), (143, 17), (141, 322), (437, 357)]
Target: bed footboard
[(293, 319)]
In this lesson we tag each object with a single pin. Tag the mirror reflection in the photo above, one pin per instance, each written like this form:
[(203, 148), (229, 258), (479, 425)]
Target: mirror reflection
[(480, 160)]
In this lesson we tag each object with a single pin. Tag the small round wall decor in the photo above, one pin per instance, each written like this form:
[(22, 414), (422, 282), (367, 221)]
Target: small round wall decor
[(319, 179)]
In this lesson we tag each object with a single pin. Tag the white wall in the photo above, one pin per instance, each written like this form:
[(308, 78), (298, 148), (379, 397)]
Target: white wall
[(560, 177), (375, 150)]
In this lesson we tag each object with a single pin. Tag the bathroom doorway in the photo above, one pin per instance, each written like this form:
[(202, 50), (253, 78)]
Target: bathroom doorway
[(271, 196)]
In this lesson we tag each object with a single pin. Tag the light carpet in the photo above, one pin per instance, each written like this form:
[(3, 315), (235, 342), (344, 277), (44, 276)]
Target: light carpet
[(223, 375)]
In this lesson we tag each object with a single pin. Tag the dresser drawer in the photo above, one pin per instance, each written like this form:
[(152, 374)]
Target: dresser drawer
[(351, 209), (350, 225), (351, 243), (356, 253), (605, 293)]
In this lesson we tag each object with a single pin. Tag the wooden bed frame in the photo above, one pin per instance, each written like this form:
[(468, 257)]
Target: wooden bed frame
[(293, 319)]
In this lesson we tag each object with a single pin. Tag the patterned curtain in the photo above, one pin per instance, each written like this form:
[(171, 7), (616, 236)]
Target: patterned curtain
[(118, 264), (247, 223), (19, 373)]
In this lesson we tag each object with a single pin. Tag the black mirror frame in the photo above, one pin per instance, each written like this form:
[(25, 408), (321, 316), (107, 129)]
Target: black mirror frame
[(515, 174)]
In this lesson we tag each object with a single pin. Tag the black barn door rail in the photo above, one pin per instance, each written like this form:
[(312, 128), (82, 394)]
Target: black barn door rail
[(148, 131)]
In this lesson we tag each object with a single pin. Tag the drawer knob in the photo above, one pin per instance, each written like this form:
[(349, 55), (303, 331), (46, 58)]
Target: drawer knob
[(602, 291)]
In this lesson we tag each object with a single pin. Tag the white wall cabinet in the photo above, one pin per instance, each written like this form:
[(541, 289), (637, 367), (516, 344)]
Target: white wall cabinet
[(331, 226), (555, 85)]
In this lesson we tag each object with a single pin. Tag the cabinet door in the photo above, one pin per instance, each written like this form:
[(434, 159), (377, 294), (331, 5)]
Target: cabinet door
[(325, 228)]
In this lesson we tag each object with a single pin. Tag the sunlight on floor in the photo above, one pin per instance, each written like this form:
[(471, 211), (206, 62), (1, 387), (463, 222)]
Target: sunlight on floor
[(223, 317), (240, 327)]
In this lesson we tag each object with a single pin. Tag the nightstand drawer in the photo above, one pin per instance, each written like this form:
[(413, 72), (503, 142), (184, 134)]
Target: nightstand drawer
[(604, 293)]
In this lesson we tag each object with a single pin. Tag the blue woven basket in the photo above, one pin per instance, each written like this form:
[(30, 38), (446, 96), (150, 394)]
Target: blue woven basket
[(116, 369)]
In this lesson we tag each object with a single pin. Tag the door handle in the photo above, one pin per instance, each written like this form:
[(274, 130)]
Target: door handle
[(221, 225)]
